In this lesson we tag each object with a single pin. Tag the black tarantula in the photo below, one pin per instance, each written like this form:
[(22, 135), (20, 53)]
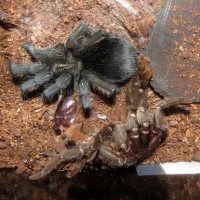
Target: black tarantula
[(97, 59), (118, 145)]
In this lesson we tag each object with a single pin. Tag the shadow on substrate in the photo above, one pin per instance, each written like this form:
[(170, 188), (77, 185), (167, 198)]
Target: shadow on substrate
[(121, 184)]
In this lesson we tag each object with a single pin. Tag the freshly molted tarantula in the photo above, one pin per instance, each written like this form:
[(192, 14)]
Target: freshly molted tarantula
[(118, 145), (97, 59)]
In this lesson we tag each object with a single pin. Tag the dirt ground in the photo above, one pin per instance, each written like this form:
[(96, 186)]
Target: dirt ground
[(27, 137)]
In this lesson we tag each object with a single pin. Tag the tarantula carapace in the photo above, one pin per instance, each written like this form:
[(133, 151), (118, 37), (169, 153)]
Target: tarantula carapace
[(97, 59), (118, 145)]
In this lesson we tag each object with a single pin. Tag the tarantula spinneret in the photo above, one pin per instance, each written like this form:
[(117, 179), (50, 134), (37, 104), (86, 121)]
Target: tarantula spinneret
[(88, 59), (118, 145)]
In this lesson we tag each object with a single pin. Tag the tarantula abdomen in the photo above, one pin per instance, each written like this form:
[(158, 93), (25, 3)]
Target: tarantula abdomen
[(88, 59), (113, 59)]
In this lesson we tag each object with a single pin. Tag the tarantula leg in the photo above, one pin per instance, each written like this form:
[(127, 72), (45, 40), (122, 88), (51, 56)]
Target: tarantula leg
[(139, 127), (133, 130), (102, 134), (114, 153), (75, 168), (35, 83), (159, 120), (160, 129), (135, 139), (47, 55), (141, 115), (145, 134), (156, 138), (79, 33), (91, 40), (26, 69), (95, 81), (120, 136), (84, 90), (66, 155), (47, 169), (83, 37), (158, 117), (143, 121), (173, 101), (61, 84), (110, 156)]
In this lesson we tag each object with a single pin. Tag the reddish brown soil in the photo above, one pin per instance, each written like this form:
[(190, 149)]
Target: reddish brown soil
[(26, 131)]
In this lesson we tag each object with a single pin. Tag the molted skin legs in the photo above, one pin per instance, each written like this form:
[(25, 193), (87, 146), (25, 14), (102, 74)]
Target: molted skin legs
[(142, 134), (76, 156), (145, 128), (66, 155), (118, 145), (131, 145), (115, 145)]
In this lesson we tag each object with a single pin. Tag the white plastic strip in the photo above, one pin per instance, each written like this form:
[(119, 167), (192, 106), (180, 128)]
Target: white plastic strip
[(178, 168)]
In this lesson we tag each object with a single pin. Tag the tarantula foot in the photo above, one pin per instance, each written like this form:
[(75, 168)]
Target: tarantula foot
[(84, 90), (35, 83), (16, 71), (29, 48)]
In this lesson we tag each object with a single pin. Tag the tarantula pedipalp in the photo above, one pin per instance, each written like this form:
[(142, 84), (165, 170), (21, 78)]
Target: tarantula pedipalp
[(118, 145), (97, 59)]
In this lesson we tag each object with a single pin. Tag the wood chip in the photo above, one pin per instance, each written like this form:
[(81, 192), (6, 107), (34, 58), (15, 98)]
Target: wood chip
[(2, 145), (196, 156), (188, 133)]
